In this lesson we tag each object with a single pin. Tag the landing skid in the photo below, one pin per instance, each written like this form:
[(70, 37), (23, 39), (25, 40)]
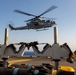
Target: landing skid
[(41, 29)]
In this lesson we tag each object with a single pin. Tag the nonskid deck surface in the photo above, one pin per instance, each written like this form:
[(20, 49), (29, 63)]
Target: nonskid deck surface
[(39, 61), (21, 64)]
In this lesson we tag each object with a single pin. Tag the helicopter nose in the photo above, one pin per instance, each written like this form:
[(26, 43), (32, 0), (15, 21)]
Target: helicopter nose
[(54, 22)]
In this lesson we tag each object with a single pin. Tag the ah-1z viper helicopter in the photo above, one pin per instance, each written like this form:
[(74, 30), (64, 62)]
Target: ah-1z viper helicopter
[(35, 23)]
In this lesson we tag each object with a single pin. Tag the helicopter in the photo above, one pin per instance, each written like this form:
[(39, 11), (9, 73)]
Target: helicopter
[(36, 23)]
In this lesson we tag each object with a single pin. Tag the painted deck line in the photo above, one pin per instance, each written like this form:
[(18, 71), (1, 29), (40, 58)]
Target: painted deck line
[(19, 60)]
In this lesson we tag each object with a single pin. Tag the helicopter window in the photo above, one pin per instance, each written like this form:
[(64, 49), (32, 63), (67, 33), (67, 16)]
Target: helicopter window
[(43, 20), (48, 21), (53, 22)]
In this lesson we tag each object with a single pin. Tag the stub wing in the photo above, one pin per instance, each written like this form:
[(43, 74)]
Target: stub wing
[(17, 28)]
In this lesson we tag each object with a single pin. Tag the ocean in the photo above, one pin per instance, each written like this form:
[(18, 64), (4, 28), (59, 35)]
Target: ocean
[(29, 53)]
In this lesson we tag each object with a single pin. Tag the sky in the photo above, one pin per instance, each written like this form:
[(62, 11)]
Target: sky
[(65, 15)]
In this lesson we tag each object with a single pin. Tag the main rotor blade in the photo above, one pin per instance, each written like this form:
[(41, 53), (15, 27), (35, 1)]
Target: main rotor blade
[(24, 13), (29, 20), (51, 8)]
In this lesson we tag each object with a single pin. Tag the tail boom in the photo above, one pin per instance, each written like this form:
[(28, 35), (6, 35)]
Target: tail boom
[(11, 27)]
